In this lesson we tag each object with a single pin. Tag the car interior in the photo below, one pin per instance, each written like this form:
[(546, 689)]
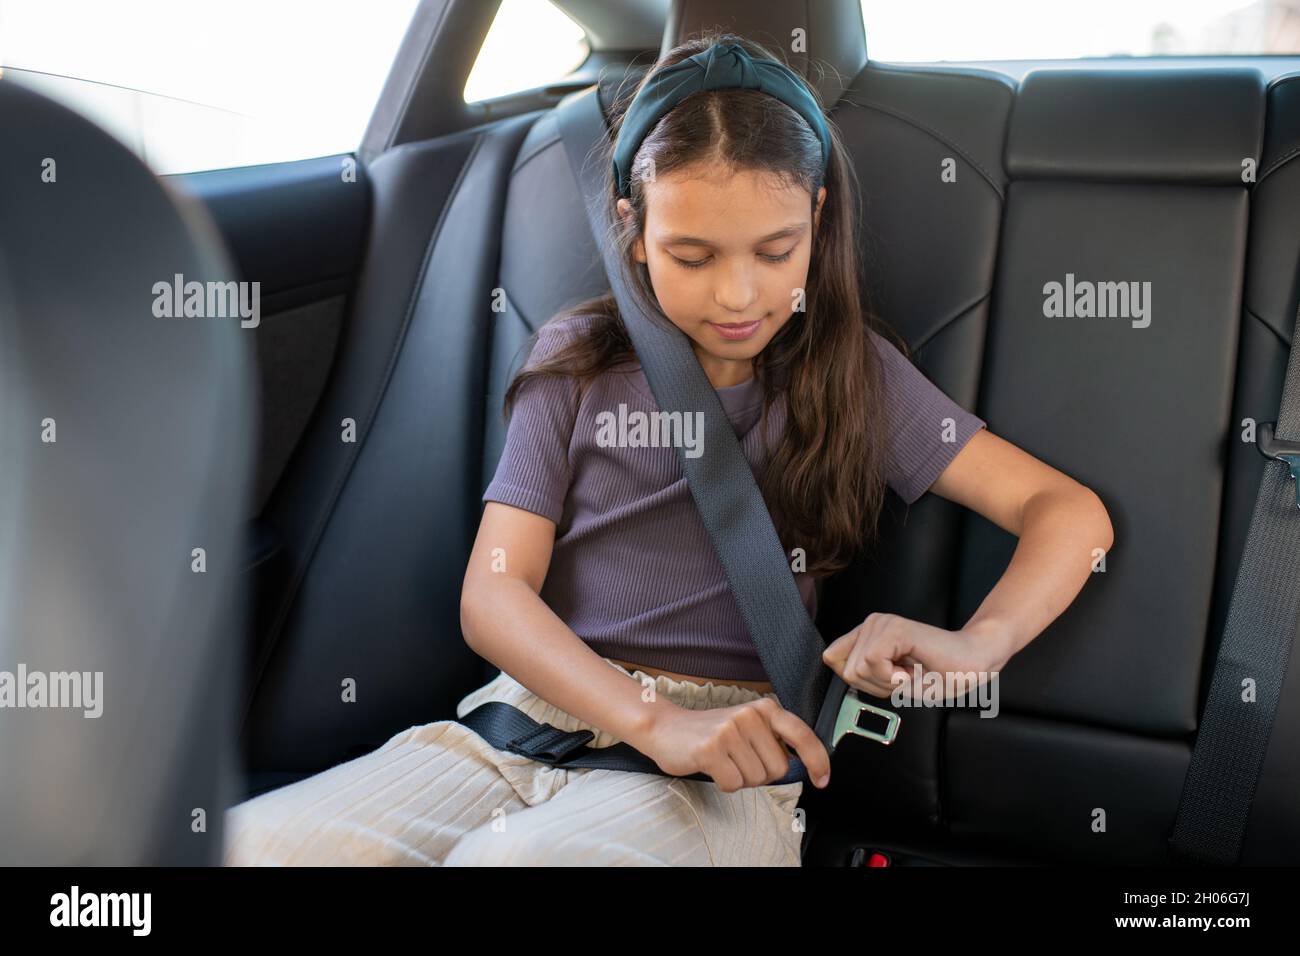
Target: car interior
[(377, 323)]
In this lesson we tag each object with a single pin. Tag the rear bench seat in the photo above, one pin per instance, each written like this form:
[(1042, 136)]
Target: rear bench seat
[(1111, 177), (1107, 176)]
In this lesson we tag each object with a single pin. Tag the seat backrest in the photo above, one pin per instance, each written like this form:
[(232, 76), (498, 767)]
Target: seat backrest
[(126, 437), (1114, 184), (360, 638), (927, 148), (1074, 177)]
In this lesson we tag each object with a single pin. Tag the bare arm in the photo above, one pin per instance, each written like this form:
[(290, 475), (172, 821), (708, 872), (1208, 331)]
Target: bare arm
[(504, 620), (1062, 525)]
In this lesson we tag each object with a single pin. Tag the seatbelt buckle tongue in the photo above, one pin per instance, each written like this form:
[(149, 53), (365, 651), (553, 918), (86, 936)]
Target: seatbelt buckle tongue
[(548, 744), (852, 708), (841, 713), (1280, 449)]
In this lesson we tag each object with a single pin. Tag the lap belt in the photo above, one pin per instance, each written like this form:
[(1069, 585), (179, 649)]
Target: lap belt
[(729, 503), (508, 728)]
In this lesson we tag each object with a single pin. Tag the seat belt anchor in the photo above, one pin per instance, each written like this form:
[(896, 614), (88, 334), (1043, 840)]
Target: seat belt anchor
[(1270, 446)]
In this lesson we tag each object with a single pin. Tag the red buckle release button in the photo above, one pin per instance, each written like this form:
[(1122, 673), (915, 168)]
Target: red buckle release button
[(878, 859)]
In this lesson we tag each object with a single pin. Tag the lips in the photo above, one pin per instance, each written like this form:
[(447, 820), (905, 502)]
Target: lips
[(737, 331)]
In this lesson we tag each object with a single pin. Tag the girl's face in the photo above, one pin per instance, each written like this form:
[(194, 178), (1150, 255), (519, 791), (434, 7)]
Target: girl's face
[(726, 248)]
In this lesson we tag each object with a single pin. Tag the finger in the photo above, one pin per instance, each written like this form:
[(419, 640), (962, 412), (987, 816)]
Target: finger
[(879, 654), (873, 685), (726, 774), (769, 745), (910, 669), (864, 662), (810, 750), (837, 652), (772, 751), (769, 753), (907, 681), (874, 688), (749, 723)]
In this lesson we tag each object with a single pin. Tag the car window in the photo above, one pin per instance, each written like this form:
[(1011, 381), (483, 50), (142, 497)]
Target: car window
[(1034, 30), (530, 43), (210, 84)]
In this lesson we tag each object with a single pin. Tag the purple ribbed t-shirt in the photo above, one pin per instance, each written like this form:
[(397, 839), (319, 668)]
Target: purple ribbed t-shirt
[(633, 572)]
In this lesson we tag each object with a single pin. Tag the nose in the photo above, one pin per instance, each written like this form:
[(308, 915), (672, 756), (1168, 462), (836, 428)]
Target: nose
[(736, 289)]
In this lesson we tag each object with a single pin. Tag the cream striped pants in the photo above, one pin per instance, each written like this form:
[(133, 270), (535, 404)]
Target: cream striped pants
[(438, 794)]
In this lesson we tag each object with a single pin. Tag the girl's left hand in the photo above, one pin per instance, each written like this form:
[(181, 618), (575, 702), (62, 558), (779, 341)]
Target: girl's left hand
[(873, 655)]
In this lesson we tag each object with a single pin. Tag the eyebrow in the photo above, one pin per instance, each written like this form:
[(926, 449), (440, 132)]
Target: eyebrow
[(683, 240)]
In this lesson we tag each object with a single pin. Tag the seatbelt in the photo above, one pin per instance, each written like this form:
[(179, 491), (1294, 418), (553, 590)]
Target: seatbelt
[(729, 503), (1263, 622)]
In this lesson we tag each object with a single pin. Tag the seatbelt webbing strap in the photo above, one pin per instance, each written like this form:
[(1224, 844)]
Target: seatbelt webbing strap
[(506, 727), (1262, 623)]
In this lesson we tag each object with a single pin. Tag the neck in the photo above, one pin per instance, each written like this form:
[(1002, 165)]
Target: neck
[(724, 373)]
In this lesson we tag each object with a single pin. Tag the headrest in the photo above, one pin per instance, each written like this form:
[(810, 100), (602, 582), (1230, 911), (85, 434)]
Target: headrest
[(1137, 125), (1282, 138), (829, 52)]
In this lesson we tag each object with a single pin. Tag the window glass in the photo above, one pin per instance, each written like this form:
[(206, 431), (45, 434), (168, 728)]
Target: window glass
[(210, 84), (530, 43), (936, 30)]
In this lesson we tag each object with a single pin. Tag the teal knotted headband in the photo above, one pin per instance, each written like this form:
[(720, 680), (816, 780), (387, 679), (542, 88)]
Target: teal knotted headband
[(723, 66)]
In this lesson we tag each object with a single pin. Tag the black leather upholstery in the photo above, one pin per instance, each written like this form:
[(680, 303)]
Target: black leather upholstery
[(153, 428), (1108, 175), (1100, 710), (376, 530), (1173, 127), (929, 258)]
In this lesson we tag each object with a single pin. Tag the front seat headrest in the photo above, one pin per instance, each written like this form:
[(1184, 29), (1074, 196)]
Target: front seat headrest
[(126, 440)]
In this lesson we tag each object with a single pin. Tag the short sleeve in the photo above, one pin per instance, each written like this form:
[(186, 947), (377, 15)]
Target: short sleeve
[(926, 428), (534, 470)]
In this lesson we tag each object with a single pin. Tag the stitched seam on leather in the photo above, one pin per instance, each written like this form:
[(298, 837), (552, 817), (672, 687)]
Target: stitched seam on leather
[(1001, 81), (1278, 163), (262, 560), (940, 137), (300, 572), (943, 325), (541, 148), (510, 301)]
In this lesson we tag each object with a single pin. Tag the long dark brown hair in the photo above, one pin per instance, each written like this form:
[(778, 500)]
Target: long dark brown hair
[(824, 482)]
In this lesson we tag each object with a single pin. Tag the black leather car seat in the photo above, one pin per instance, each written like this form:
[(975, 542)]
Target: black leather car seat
[(126, 441)]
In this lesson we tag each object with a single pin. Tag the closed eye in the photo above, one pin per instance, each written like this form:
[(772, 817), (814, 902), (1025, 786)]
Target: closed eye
[(700, 263)]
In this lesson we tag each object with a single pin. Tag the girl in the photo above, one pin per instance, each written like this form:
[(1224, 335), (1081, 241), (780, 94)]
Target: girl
[(735, 208)]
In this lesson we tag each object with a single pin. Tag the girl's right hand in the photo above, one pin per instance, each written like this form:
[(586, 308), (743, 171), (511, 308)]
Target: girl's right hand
[(738, 746)]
